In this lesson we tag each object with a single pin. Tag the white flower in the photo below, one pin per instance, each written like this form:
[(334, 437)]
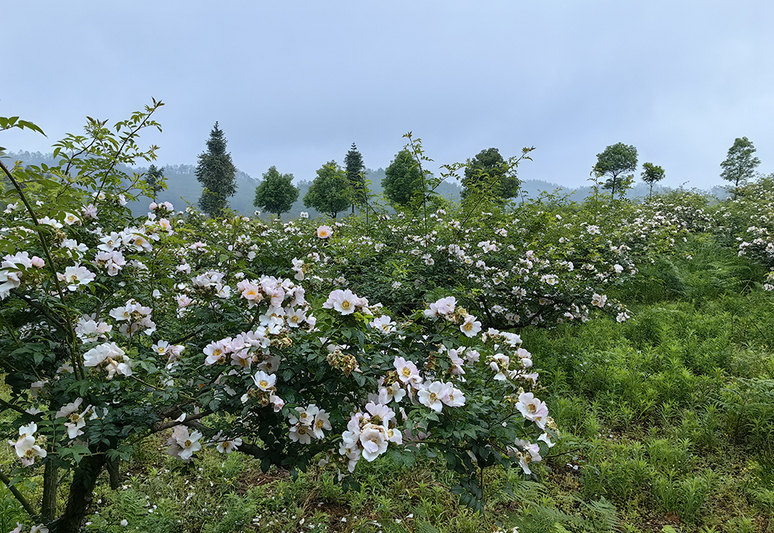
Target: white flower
[(598, 300), (320, 422), (345, 302), (384, 324), (432, 395), (25, 447), (470, 327), (228, 446), (183, 444), (75, 276), (373, 438), (264, 381), (324, 232), (532, 409), (98, 354), (300, 433), (407, 371)]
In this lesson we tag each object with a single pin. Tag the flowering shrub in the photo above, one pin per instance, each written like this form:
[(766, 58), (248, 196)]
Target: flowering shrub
[(117, 329)]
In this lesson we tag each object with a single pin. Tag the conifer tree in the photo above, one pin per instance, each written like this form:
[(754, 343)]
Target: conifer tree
[(155, 180), (354, 167), (217, 174)]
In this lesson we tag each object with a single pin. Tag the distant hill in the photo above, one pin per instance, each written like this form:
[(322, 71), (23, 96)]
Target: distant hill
[(183, 188)]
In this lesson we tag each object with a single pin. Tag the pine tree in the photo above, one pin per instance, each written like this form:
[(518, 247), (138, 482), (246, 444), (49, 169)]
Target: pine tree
[(217, 174), (353, 163), (155, 180)]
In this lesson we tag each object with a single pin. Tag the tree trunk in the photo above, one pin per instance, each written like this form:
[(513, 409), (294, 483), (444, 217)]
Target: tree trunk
[(81, 494), (48, 506)]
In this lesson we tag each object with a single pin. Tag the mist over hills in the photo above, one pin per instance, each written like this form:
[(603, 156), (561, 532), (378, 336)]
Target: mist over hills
[(183, 188)]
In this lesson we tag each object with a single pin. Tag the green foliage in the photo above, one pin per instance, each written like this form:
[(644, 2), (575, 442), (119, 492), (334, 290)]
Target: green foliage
[(740, 163), (276, 193), (652, 174), (616, 162), (403, 180), (155, 180), (651, 323), (490, 174), (216, 172), (355, 169), (330, 191)]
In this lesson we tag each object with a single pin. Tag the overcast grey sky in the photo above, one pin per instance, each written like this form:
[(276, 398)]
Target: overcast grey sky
[(295, 83)]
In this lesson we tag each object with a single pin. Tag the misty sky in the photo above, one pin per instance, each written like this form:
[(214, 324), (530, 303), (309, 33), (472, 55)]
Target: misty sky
[(295, 83)]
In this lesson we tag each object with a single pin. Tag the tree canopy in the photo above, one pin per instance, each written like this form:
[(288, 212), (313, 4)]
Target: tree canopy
[(330, 191), (740, 164), (489, 173), (402, 179), (217, 174), (651, 174), (618, 162), (276, 192)]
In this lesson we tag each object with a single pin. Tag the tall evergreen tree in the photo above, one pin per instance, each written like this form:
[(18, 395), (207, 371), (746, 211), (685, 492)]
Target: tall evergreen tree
[(217, 174), (330, 191), (155, 180), (276, 192), (355, 169)]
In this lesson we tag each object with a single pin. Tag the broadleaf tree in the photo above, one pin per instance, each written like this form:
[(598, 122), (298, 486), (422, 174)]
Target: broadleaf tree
[(276, 192), (330, 192), (618, 162), (489, 173), (217, 174), (740, 163), (651, 174), (402, 179), (355, 169)]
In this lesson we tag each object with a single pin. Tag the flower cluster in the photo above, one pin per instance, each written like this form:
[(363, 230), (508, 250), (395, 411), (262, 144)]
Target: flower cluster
[(25, 446)]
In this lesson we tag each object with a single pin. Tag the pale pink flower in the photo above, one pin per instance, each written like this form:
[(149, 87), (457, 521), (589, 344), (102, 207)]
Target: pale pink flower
[(373, 439), (532, 409)]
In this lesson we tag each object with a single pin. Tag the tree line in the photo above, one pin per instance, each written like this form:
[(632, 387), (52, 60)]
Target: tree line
[(488, 174)]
